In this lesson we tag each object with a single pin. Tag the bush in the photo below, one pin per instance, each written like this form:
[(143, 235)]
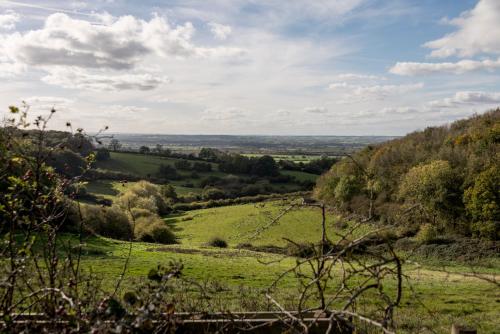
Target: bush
[(168, 191), (212, 193), (168, 172), (144, 195), (109, 222), (217, 242), (210, 181), (202, 167), (153, 229), (427, 234), (67, 162), (251, 190), (182, 165), (102, 154)]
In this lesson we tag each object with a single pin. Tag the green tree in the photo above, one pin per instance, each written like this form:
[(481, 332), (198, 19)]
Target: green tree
[(144, 150), (102, 154), (168, 191), (265, 166), (212, 193), (182, 164), (434, 186), (482, 202), (115, 145)]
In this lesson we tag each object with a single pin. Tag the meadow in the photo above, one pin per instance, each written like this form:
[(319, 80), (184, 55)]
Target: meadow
[(146, 166), (432, 298)]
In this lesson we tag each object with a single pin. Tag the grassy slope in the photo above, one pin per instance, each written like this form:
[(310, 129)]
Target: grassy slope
[(140, 165), (237, 224), (442, 299), (144, 165)]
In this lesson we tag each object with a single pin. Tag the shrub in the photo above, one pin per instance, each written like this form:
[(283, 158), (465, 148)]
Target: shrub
[(210, 193), (117, 223), (139, 212), (210, 181), (202, 167), (67, 162), (167, 172), (153, 229), (102, 154), (109, 222), (251, 190), (144, 195), (168, 191), (182, 165), (217, 242), (427, 234)]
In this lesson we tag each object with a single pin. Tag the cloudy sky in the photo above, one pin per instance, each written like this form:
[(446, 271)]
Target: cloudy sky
[(300, 67)]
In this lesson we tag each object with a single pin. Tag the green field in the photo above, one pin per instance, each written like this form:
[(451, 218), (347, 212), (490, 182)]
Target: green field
[(237, 224), (437, 300), (143, 165), (146, 166), (432, 300)]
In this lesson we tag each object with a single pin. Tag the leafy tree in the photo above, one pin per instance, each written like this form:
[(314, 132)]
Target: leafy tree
[(212, 193), (66, 162), (346, 188), (102, 154), (265, 166), (482, 202), (432, 185), (168, 191), (167, 172), (433, 168), (144, 150), (202, 167), (210, 154), (182, 164), (115, 145)]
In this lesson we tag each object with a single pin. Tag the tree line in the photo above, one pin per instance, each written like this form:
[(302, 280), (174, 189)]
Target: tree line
[(444, 179)]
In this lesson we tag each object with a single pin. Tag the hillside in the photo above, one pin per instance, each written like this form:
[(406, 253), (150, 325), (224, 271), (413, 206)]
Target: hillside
[(443, 179), (188, 180)]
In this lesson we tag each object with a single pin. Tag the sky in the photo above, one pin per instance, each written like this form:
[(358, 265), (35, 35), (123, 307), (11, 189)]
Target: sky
[(323, 67)]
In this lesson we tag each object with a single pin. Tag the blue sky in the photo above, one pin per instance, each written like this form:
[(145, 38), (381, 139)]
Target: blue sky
[(324, 67)]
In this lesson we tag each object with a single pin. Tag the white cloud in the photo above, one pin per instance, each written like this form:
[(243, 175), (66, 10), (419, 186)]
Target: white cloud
[(46, 103), (373, 91), (120, 45), (8, 20), (357, 77), (71, 50), (9, 70), (220, 31), (478, 31), (459, 67), (467, 99), (121, 110), (316, 110), (224, 114), (81, 79)]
